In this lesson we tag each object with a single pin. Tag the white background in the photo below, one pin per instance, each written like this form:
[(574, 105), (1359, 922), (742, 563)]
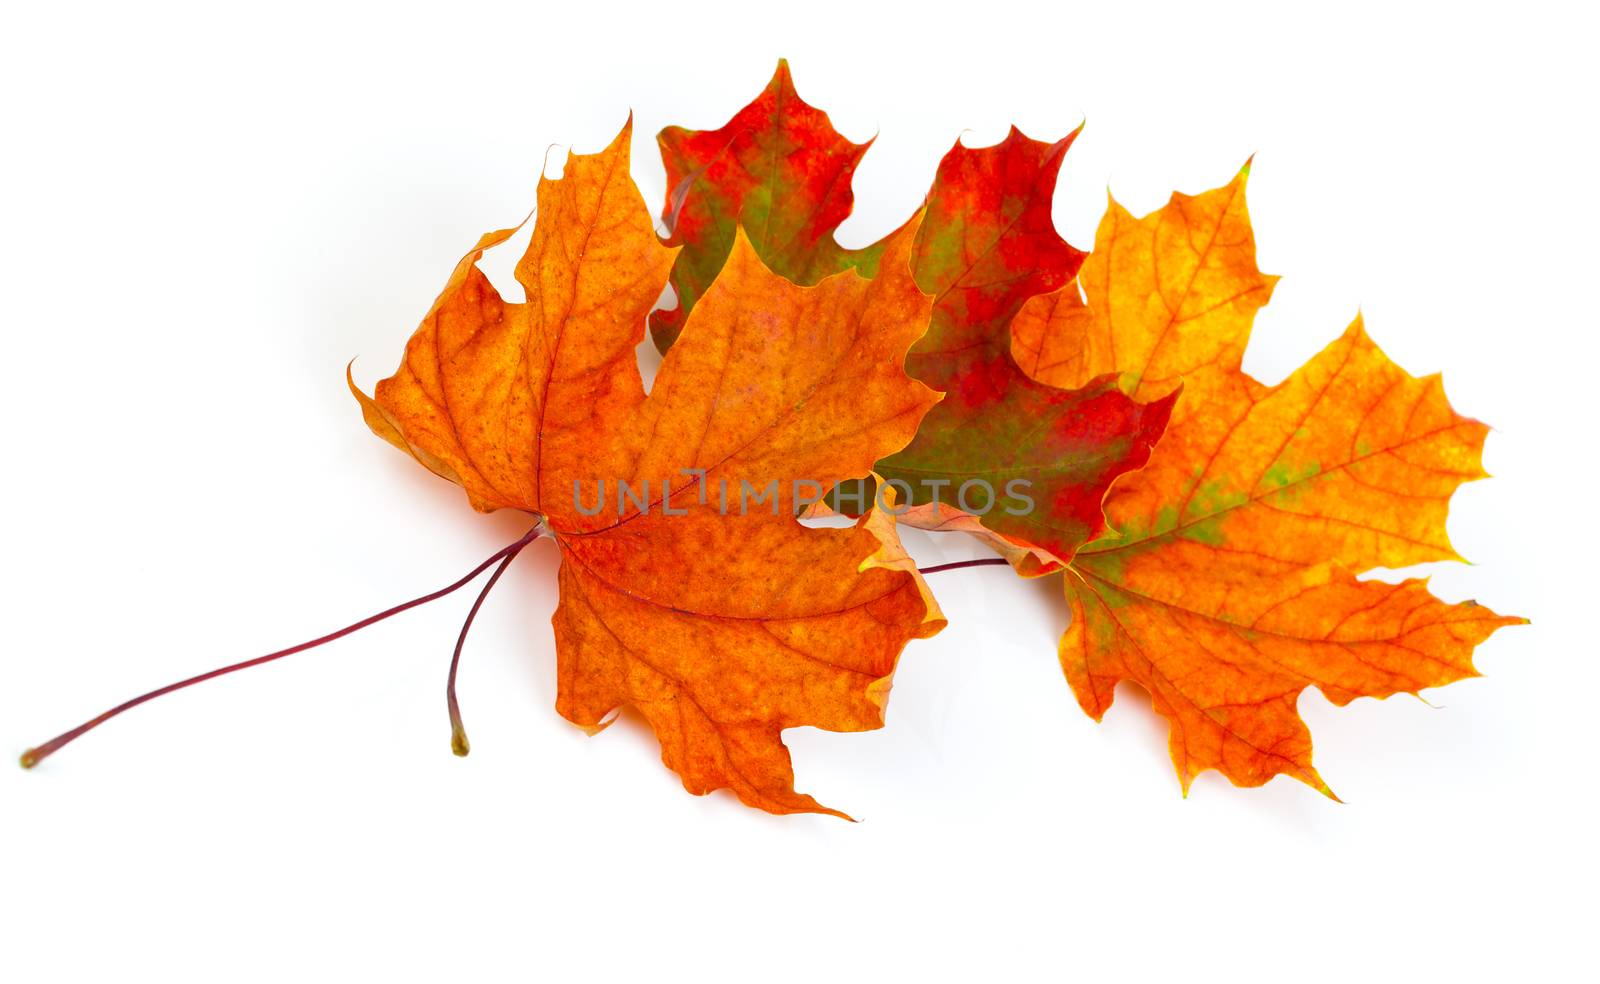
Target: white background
[(207, 213)]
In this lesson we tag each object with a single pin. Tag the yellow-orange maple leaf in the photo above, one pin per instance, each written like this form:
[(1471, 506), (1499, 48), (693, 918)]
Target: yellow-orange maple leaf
[(1229, 585), (701, 602)]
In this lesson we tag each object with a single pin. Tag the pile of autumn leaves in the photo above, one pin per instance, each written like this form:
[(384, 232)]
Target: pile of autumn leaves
[(1208, 528)]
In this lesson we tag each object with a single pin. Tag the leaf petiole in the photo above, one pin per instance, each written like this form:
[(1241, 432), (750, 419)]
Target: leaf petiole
[(458, 734), (34, 756), (958, 564)]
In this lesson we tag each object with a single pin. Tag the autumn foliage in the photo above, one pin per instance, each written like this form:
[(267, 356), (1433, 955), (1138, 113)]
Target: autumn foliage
[(1208, 531)]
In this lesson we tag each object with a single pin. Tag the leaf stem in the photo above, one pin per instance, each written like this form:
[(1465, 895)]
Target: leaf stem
[(956, 565), (458, 733), (34, 756)]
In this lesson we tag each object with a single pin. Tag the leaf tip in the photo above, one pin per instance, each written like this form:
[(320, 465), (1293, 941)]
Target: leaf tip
[(622, 143), (830, 812), (1314, 779)]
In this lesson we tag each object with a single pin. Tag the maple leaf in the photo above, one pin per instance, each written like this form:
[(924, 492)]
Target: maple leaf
[(985, 245), (721, 625), (779, 168), (1229, 585)]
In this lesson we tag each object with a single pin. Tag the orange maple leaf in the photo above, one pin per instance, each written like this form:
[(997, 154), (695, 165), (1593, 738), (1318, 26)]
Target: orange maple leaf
[(723, 622), (1230, 583)]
